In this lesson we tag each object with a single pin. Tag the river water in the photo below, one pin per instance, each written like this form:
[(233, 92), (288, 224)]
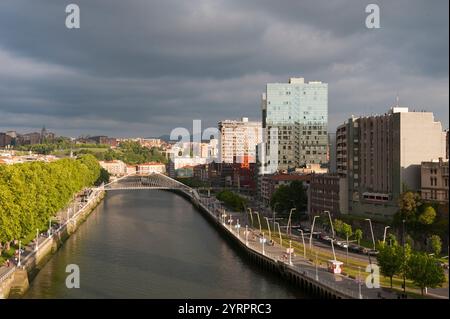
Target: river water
[(153, 244)]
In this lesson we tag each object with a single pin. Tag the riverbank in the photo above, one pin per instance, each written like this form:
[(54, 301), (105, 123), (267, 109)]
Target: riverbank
[(299, 272), (15, 282)]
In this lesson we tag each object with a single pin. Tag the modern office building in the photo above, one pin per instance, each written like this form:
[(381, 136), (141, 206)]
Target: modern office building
[(380, 156), (295, 119), (238, 140)]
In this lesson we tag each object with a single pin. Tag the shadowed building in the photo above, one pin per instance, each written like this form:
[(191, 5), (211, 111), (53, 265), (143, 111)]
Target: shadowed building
[(380, 156)]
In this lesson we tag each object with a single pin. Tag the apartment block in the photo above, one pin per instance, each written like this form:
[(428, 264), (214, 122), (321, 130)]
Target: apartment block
[(380, 156), (238, 139)]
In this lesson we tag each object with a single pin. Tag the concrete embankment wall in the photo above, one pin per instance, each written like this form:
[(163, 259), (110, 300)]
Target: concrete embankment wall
[(17, 283), (311, 287)]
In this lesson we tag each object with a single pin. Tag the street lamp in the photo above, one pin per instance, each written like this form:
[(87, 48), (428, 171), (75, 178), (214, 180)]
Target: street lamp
[(37, 240), (404, 261), (20, 252), (290, 252), (274, 213), (268, 226), (250, 213), (238, 227), (312, 230), (263, 240), (246, 235), (331, 222), (288, 229), (279, 232), (259, 222), (303, 241), (385, 230), (49, 232), (371, 231)]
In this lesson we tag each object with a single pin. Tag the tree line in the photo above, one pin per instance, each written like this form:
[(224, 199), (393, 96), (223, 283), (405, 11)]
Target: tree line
[(129, 152), (32, 193)]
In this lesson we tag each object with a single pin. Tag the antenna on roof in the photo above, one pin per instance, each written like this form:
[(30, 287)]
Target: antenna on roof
[(397, 99)]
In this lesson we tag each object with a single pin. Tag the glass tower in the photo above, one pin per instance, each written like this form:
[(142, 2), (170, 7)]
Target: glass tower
[(295, 118)]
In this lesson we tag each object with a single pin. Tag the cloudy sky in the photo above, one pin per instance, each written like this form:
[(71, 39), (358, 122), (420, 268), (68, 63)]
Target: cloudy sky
[(142, 67)]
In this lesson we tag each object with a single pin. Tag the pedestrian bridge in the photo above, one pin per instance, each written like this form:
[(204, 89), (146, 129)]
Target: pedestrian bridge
[(148, 181)]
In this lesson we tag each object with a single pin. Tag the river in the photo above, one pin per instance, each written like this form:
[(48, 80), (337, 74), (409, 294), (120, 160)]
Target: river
[(153, 244)]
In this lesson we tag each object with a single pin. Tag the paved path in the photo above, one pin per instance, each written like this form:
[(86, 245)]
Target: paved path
[(341, 283)]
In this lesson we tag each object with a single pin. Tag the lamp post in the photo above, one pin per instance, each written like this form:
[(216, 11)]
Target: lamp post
[(238, 227), (279, 233), (312, 230), (49, 232), (274, 213), (262, 240), (290, 252), (230, 221), (246, 235), (371, 231), (331, 222), (20, 253), (268, 226), (37, 240), (259, 222), (359, 283), (317, 266), (303, 242), (288, 229), (404, 261), (250, 213), (385, 230), (346, 259)]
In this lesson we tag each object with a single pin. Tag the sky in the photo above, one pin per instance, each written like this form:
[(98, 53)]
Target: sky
[(143, 68)]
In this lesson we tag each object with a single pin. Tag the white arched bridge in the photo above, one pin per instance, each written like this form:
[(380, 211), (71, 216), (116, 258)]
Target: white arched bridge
[(148, 181)]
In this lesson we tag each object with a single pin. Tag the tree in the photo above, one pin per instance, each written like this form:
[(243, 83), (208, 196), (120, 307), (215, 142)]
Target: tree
[(103, 178), (391, 239), (405, 254), (425, 271), (428, 216), (347, 230), (338, 226), (232, 200), (289, 196), (32, 193), (358, 235), (408, 204), (390, 260), (436, 244)]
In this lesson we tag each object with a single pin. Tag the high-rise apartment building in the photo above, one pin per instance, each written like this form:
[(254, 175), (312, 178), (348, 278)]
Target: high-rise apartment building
[(380, 157), (295, 119), (238, 140)]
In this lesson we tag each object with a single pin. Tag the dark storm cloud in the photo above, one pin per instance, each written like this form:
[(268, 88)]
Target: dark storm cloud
[(144, 67)]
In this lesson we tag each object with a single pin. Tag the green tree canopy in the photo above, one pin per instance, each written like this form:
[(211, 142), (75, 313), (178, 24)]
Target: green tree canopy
[(290, 196), (428, 216), (390, 260), (425, 271), (435, 244), (32, 193), (358, 235)]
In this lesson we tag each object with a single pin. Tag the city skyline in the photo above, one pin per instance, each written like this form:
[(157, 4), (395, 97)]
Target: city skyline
[(107, 78)]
